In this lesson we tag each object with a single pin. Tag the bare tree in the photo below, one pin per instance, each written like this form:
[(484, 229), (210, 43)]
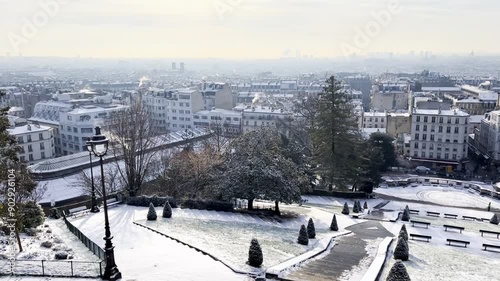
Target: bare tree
[(134, 135), (112, 181)]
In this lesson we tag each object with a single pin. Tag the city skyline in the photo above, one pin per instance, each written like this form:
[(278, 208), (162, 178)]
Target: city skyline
[(244, 29)]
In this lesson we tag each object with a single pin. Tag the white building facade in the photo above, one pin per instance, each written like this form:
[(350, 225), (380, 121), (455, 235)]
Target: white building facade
[(228, 122), (439, 137), (36, 142)]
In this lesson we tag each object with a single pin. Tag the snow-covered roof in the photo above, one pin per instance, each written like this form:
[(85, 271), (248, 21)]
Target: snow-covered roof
[(452, 112), (476, 118), (28, 129)]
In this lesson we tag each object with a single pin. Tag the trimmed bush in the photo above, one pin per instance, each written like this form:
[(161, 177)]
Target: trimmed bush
[(311, 230), (144, 201), (31, 215), (365, 206), (345, 210), (211, 205), (303, 238), (167, 210), (151, 212), (406, 214), (46, 244), (494, 219), (61, 255), (398, 273), (403, 233), (334, 226), (355, 207), (255, 257), (402, 252)]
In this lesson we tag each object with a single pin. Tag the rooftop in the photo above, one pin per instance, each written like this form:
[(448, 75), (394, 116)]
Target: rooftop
[(27, 129), (453, 112)]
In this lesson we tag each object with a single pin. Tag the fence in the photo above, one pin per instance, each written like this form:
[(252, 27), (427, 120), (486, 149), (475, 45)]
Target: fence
[(93, 247), (66, 268)]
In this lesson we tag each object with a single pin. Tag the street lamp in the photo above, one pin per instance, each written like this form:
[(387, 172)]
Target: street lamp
[(99, 145), (94, 208)]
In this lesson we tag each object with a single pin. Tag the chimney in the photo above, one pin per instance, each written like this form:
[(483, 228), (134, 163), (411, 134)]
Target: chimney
[(439, 110), (29, 127)]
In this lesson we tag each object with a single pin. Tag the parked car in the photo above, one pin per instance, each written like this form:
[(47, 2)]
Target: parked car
[(422, 169)]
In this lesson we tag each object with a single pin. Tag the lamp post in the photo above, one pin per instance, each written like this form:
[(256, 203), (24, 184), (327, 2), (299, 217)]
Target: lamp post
[(99, 145), (94, 208)]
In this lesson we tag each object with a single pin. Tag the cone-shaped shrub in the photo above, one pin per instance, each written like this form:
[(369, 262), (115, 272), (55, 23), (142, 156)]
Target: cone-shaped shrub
[(303, 238), (406, 215), (398, 273), (151, 213), (365, 206), (255, 257), (360, 209), (403, 233), (311, 231), (334, 226), (494, 219), (167, 210), (355, 207), (402, 252), (345, 211)]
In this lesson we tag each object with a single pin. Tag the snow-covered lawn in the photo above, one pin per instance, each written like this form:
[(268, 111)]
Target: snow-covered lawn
[(437, 261), (443, 195), (230, 241), (55, 238)]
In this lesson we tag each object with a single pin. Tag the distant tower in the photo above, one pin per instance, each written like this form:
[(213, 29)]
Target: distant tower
[(181, 67), (174, 66)]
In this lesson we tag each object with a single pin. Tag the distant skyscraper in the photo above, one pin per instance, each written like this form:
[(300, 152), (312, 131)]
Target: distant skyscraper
[(182, 67), (174, 66)]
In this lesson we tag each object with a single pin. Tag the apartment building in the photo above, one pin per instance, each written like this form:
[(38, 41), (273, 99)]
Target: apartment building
[(388, 96), (227, 122), (372, 120), (36, 142), (256, 117), (217, 95), (439, 137), (486, 139)]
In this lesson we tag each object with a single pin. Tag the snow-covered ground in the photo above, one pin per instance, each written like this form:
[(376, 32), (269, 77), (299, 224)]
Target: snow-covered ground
[(57, 238), (443, 195), (437, 261)]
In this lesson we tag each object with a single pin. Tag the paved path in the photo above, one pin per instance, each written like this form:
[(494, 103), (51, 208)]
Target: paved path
[(348, 252)]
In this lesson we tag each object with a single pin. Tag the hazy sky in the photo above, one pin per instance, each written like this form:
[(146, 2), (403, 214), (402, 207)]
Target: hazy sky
[(245, 28)]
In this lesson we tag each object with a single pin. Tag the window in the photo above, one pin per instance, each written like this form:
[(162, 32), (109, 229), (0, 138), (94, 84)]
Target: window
[(174, 111), (40, 136), (417, 128), (431, 146), (425, 119), (431, 154), (30, 148), (423, 154), (456, 130), (418, 118), (23, 159), (30, 157), (29, 138), (196, 117), (174, 118), (446, 156), (43, 155), (448, 129), (415, 154), (425, 128), (433, 119), (204, 117), (75, 130), (457, 121), (416, 145), (439, 155), (440, 119), (228, 118), (417, 136), (87, 130), (440, 129), (20, 140), (424, 145), (424, 136), (42, 146), (181, 111), (181, 104)]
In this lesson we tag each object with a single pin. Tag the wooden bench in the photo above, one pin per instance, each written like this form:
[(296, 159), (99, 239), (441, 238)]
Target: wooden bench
[(490, 232), (78, 211), (491, 246), (469, 218), (426, 237), (485, 219), (433, 214), (357, 216), (450, 216), (465, 243), (446, 226), (413, 222), (414, 212)]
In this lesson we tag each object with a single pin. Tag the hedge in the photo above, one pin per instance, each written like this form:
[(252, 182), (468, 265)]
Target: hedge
[(339, 194), (157, 201), (210, 205)]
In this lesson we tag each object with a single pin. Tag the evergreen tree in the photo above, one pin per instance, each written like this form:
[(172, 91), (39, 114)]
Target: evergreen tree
[(398, 273), (384, 142), (406, 214), (365, 206), (303, 238), (355, 207), (403, 233), (311, 231), (167, 210), (151, 212), (255, 257), (494, 219), (345, 210), (334, 226), (335, 137), (402, 251)]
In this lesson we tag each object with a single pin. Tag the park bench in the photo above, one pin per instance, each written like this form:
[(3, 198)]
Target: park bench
[(426, 237), (491, 246), (450, 216), (357, 216), (414, 212), (75, 212), (112, 202), (485, 219), (413, 222), (465, 243), (433, 214), (469, 218), (490, 232), (446, 226)]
